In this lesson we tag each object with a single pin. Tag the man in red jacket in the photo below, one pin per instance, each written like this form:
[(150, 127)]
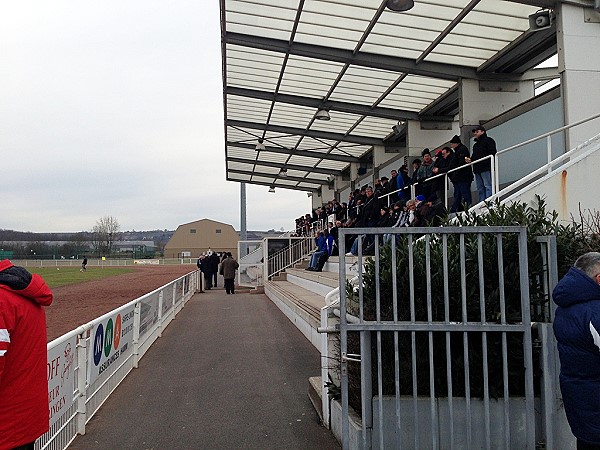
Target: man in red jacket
[(23, 357)]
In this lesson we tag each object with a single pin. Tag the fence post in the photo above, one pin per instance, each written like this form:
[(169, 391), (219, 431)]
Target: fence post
[(160, 312), (136, 334), (324, 368), (549, 146), (81, 382)]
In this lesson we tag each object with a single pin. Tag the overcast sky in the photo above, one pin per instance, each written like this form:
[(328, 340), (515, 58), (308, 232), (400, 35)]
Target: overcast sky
[(116, 108)]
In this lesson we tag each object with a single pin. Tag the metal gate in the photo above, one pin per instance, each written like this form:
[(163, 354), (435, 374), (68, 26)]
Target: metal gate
[(436, 348)]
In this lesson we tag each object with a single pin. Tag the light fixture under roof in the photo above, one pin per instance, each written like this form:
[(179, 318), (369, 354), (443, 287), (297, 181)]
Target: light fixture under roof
[(260, 146), (399, 5), (283, 172), (322, 114), (272, 189)]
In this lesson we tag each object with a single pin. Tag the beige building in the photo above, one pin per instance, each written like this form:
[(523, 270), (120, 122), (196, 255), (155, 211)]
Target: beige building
[(194, 238)]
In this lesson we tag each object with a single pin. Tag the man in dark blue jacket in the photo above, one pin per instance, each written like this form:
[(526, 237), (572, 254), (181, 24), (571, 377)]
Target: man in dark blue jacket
[(483, 146), (577, 330)]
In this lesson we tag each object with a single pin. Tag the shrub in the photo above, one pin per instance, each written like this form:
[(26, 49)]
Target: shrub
[(572, 240)]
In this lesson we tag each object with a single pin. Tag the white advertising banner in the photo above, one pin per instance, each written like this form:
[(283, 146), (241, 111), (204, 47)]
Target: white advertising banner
[(112, 340), (60, 372)]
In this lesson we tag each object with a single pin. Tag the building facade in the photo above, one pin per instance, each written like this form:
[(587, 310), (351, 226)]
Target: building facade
[(194, 238)]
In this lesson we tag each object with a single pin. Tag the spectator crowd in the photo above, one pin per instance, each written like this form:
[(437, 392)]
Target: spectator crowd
[(388, 202)]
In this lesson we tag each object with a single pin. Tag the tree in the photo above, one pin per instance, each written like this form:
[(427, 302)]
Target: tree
[(104, 233)]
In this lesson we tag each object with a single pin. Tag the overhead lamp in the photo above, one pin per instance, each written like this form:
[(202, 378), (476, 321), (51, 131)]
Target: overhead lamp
[(322, 114), (309, 194), (272, 189), (260, 146), (283, 172), (399, 5)]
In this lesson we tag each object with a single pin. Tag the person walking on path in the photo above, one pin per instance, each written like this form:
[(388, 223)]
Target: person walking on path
[(23, 357), (228, 268), (577, 331), (483, 146)]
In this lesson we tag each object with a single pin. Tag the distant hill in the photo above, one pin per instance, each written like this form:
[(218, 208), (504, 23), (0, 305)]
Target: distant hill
[(26, 236)]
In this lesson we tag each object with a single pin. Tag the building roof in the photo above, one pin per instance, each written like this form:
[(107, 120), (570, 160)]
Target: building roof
[(370, 68)]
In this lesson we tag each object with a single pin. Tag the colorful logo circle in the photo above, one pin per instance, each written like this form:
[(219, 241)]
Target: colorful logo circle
[(117, 334), (108, 337), (98, 344)]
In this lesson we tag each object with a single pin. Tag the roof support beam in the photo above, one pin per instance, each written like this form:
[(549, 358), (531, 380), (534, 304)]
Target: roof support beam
[(288, 166), (275, 185), (351, 108), (289, 177), (363, 140), (304, 153), (392, 63)]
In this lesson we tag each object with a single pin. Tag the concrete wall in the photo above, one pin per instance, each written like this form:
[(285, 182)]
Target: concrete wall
[(568, 190)]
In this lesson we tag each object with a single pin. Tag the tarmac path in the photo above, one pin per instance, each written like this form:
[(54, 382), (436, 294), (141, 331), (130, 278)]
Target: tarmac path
[(230, 372)]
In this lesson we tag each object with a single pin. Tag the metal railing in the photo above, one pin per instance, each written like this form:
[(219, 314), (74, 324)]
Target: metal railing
[(548, 168), (109, 262), (293, 253), (425, 348), (87, 364)]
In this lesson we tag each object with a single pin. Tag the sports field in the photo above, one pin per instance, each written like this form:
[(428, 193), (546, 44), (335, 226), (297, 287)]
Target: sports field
[(56, 277), (80, 297)]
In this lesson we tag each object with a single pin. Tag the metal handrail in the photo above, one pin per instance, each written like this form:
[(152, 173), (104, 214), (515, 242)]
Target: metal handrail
[(285, 258), (494, 166)]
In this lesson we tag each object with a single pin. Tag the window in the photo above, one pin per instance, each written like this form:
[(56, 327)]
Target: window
[(192, 230), (218, 231)]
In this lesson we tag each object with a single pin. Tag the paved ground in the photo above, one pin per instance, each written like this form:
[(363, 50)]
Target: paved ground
[(231, 372)]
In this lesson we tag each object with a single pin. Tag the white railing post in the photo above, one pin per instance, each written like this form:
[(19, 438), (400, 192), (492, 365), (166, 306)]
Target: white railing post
[(324, 367), (495, 175), (549, 148), (136, 334), (160, 312), (82, 358), (446, 179)]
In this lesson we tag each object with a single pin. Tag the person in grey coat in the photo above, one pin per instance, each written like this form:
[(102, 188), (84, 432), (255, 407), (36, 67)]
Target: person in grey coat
[(228, 268)]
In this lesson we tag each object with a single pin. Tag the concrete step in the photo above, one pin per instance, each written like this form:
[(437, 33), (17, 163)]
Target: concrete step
[(315, 393)]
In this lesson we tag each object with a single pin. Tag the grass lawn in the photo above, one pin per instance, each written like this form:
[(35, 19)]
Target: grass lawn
[(63, 276)]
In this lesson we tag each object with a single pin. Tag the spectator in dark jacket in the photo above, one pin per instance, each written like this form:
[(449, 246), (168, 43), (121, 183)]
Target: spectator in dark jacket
[(461, 179), (484, 146), (577, 330), (206, 269), (214, 266), (228, 268), (443, 164)]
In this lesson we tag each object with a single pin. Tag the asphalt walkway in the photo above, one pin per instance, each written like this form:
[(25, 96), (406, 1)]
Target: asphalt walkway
[(230, 372)]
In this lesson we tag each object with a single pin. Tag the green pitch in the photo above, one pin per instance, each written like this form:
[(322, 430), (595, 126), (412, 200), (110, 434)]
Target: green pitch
[(72, 275)]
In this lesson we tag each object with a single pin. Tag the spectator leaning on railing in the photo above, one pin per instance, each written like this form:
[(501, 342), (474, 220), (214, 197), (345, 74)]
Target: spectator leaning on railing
[(483, 146), (425, 171)]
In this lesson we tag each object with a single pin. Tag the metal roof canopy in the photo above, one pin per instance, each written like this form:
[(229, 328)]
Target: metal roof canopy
[(368, 66)]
